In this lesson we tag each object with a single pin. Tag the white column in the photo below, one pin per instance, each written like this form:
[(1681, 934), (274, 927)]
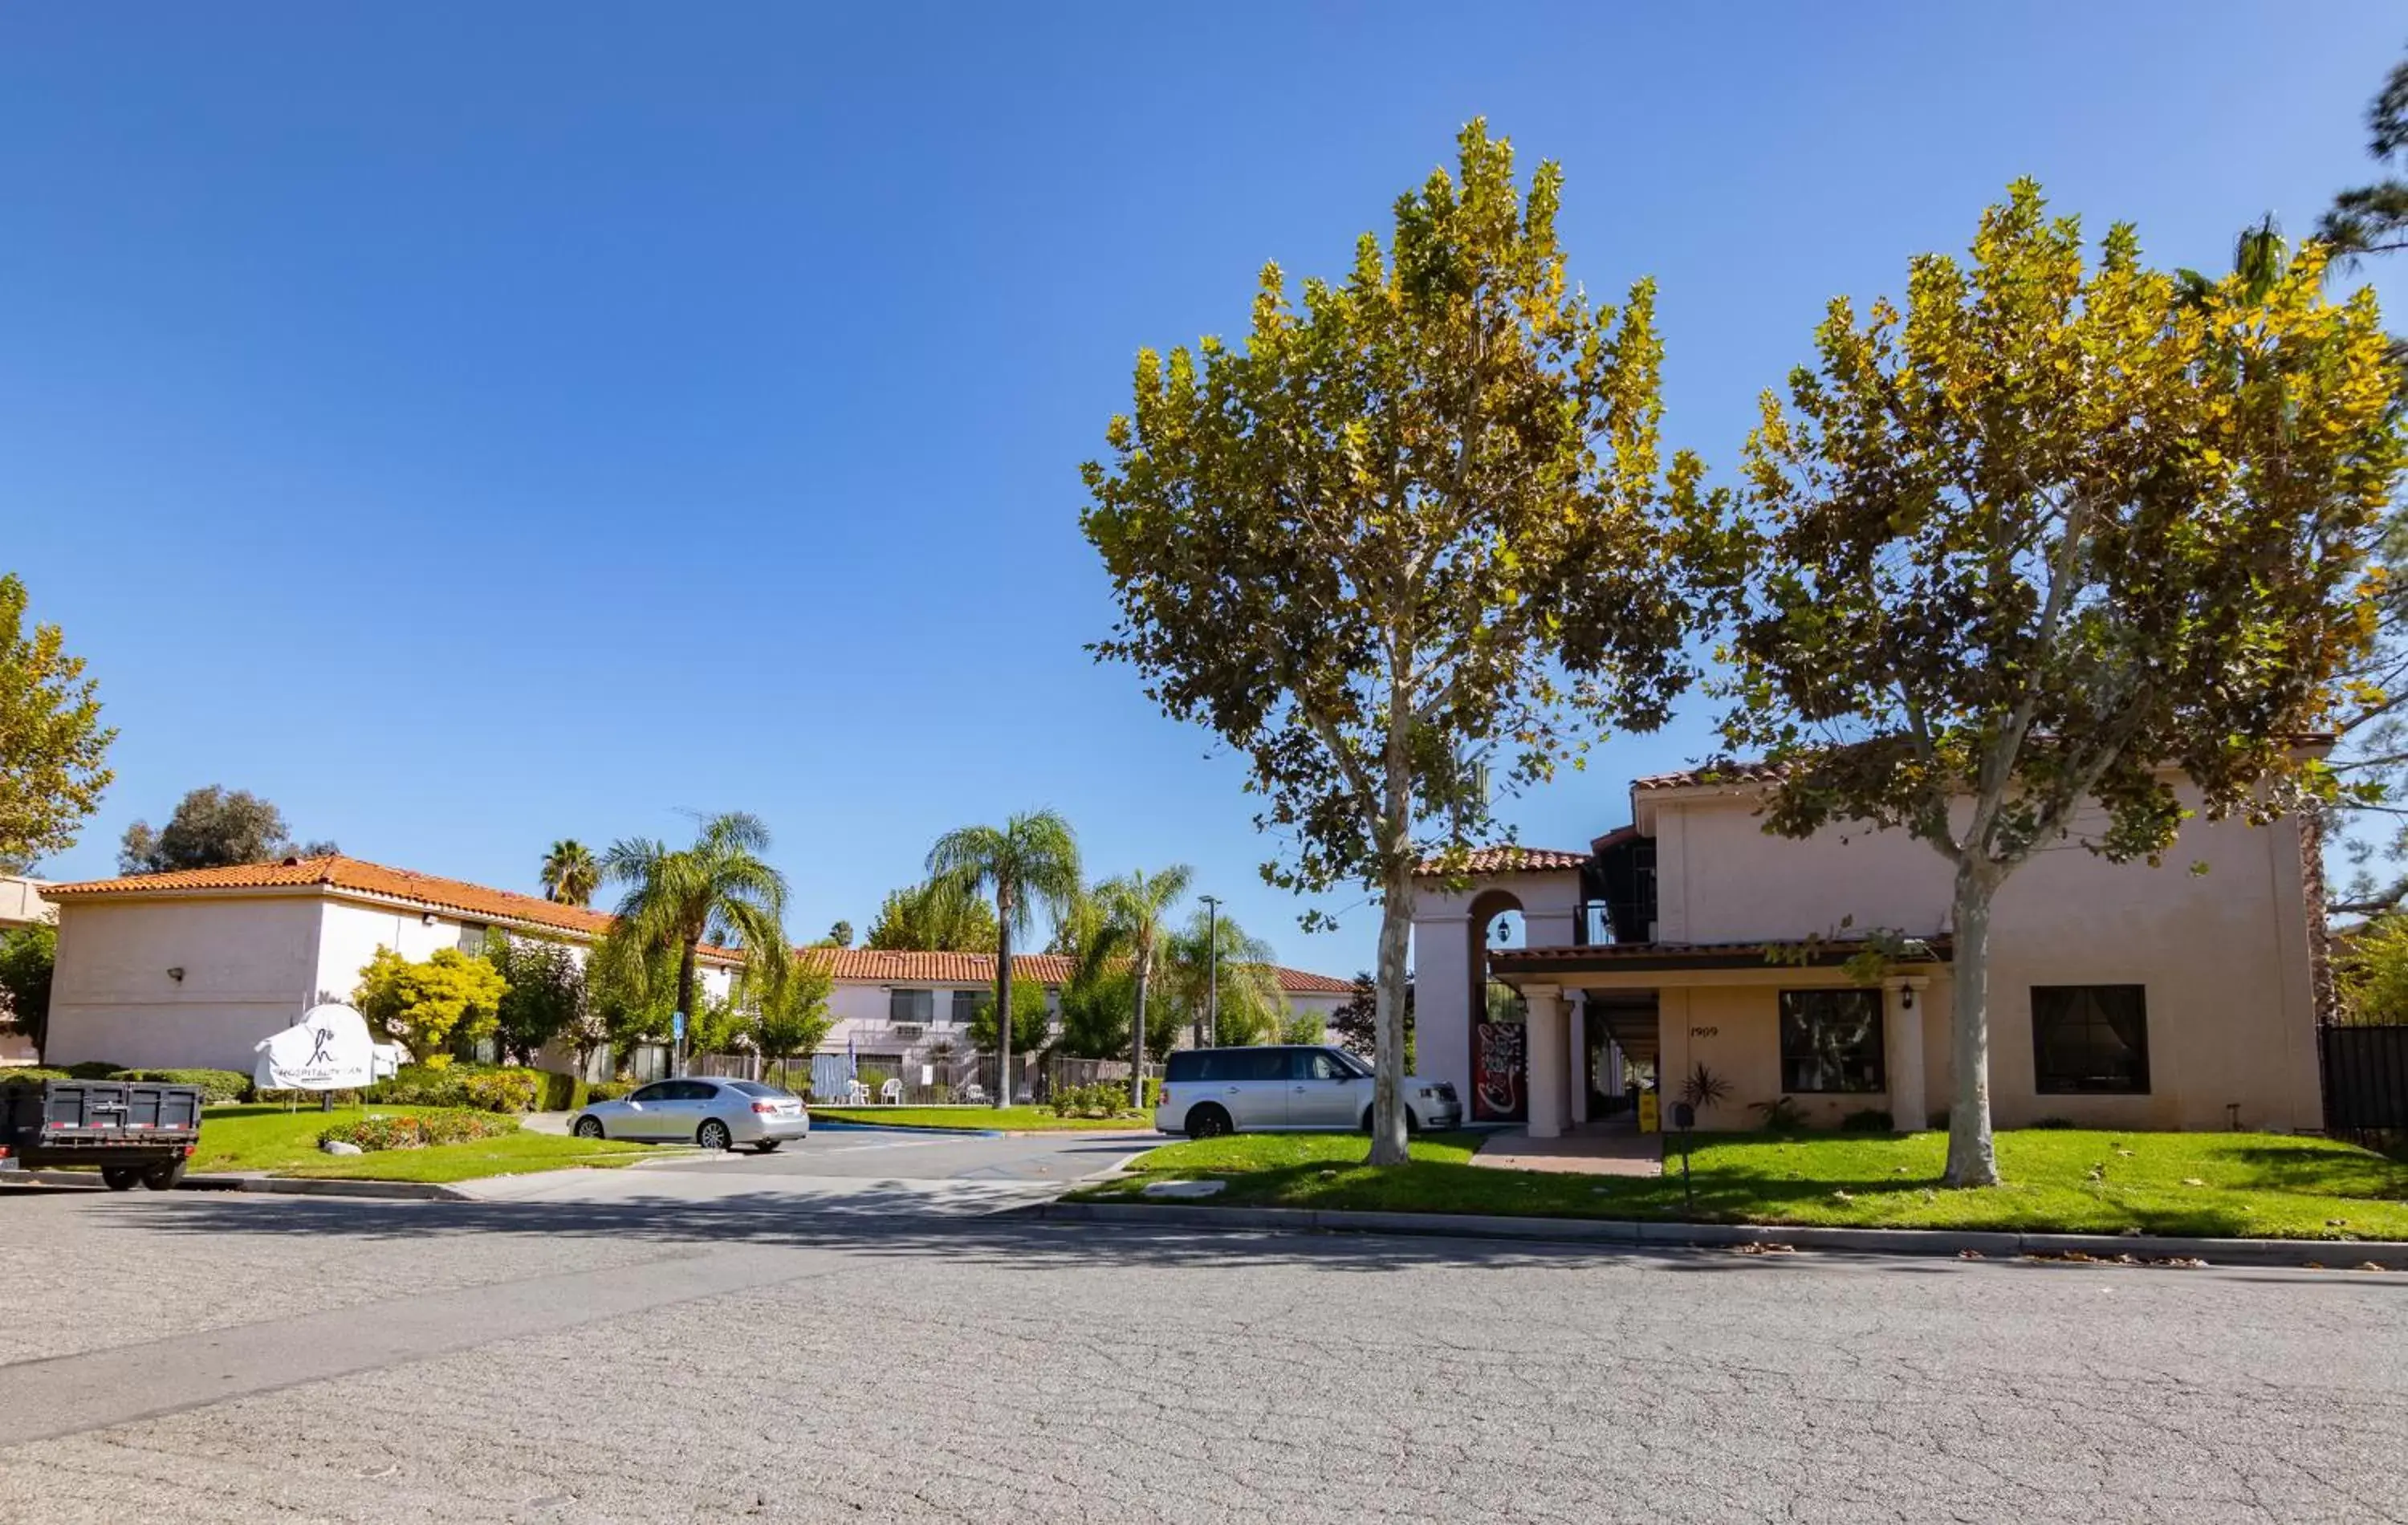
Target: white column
[(1547, 1047), (1902, 1023), (1574, 1080)]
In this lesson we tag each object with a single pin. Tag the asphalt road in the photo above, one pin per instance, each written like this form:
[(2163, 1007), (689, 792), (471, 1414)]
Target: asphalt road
[(208, 1357), (848, 1170)]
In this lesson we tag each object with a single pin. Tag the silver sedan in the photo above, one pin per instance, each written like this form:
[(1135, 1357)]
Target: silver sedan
[(713, 1114)]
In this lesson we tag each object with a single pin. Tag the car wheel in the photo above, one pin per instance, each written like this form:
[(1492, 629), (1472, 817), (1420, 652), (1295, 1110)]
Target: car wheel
[(1207, 1122), (713, 1135), (163, 1177), (767, 1146), (588, 1127), (120, 1177), (1413, 1121), (1367, 1120)]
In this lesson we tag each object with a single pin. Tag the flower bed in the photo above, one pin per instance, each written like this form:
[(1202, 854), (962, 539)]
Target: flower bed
[(418, 1131)]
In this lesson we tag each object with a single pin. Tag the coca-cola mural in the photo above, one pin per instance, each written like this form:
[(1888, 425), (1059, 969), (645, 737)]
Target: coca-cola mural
[(1500, 1071)]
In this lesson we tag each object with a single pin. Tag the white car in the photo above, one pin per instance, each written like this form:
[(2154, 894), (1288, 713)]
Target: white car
[(1207, 1092), (699, 1110)]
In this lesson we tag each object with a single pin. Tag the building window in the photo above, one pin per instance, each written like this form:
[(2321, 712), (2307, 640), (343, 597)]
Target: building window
[(1831, 1041), (966, 1005), (2090, 1038), (910, 1005)]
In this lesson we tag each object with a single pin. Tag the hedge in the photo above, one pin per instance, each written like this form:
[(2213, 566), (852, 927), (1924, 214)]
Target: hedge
[(486, 1088), (418, 1131), (611, 1091), (31, 1076), (93, 1069), (216, 1085)]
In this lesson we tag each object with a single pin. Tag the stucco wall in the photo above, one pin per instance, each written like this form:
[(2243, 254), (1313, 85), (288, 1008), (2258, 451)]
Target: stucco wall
[(1445, 963), (250, 968), (2216, 935)]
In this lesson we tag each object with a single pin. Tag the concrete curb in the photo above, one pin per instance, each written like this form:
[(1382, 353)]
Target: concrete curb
[(284, 1186), (2392, 1255)]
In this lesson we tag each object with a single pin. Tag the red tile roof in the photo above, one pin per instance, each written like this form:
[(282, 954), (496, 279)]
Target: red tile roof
[(906, 966), (456, 895), (1739, 954), (1508, 858), (1721, 772), (460, 897)]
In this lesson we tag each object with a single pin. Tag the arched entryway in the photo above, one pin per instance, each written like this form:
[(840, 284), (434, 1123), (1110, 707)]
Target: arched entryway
[(1500, 1064)]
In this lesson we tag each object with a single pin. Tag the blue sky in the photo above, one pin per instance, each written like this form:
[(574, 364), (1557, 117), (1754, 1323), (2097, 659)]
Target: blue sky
[(469, 425)]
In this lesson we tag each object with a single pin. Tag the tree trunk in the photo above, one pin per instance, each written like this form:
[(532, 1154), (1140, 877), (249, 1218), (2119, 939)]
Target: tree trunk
[(684, 1004), (1137, 1043), (1388, 1023), (1972, 1161), (1003, 1000)]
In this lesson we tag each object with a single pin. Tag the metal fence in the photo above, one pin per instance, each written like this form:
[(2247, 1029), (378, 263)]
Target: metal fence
[(2366, 1083), (951, 1080)]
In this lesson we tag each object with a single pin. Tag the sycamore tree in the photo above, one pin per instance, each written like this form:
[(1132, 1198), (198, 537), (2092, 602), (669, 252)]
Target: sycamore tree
[(1407, 536), (51, 740), (2058, 555)]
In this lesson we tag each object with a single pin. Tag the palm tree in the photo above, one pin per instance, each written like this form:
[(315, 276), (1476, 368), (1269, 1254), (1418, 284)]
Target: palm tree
[(1137, 909), (1032, 859), (570, 875), (1252, 1004), (718, 891)]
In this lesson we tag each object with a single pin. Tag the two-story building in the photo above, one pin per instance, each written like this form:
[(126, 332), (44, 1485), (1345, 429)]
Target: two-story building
[(2180, 995), (895, 1008)]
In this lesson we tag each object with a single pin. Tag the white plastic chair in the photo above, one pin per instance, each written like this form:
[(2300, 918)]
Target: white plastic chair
[(892, 1092), (857, 1094), (975, 1094)]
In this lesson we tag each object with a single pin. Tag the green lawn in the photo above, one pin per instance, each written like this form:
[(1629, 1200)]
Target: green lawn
[(2218, 1184), (269, 1137), (1009, 1119)]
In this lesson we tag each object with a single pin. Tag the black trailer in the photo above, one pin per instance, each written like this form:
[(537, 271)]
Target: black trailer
[(133, 1130)]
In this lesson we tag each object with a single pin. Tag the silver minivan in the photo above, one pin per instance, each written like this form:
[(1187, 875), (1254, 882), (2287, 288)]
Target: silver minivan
[(1207, 1092)]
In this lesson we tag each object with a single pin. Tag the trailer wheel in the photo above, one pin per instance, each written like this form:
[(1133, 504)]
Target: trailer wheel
[(163, 1177), (120, 1177)]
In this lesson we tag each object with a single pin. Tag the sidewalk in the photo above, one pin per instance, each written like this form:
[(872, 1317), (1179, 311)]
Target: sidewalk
[(2139, 1249), (1586, 1149)]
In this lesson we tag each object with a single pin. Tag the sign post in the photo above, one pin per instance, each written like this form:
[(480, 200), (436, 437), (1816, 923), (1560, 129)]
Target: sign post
[(1684, 1117), (677, 1043)]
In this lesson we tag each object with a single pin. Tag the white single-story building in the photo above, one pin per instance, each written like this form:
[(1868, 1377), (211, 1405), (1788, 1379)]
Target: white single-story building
[(194, 968), (2120, 994)]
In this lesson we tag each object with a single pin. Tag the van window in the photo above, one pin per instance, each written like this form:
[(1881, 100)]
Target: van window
[(1186, 1065), (1261, 1063)]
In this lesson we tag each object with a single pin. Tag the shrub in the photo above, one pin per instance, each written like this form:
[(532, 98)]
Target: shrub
[(561, 1093), (611, 1090), (216, 1085), (503, 1090), (93, 1069), (1866, 1120), (418, 1131), (484, 1087), (292, 1098), (2054, 1123), (31, 1076), (1782, 1115), (1937, 1121)]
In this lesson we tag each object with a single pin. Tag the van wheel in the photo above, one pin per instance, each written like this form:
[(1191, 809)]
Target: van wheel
[(1207, 1122), (713, 1135), (163, 1177), (120, 1177)]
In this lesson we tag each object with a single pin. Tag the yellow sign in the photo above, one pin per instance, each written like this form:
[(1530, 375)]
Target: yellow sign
[(1649, 1122)]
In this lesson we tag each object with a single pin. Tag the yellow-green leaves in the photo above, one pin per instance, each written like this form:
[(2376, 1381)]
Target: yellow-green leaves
[(2057, 525), (51, 740)]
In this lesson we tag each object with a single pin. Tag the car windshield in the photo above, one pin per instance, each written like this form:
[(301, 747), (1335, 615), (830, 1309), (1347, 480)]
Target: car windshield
[(1349, 1060), (753, 1087)]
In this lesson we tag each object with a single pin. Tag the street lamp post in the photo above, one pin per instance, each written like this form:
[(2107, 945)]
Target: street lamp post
[(1211, 971)]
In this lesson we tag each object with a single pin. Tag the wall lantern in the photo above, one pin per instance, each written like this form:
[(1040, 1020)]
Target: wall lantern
[(177, 973)]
